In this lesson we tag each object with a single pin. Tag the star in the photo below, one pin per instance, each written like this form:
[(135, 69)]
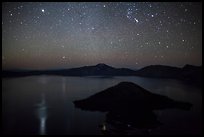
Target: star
[(136, 20), (129, 12), (147, 43), (68, 29)]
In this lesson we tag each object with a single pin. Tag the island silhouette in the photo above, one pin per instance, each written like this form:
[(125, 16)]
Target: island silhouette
[(129, 106)]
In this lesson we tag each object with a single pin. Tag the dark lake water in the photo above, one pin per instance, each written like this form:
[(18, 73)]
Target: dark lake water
[(43, 105)]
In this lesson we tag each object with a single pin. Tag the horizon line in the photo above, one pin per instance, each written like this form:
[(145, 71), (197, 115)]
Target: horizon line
[(27, 69)]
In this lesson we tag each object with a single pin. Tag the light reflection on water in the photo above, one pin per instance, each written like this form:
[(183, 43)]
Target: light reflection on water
[(64, 86), (42, 114)]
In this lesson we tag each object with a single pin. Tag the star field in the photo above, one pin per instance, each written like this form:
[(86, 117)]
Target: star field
[(63, 35)]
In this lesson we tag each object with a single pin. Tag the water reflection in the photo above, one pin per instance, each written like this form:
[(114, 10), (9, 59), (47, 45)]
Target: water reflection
[(42, 114), (59, 92), (64, 85), (42, 80)]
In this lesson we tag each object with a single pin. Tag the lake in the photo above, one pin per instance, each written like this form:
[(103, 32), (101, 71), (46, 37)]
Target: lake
[(43, 105)]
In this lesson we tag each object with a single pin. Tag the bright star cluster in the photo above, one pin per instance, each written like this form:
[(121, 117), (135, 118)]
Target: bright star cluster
[(121, 34)]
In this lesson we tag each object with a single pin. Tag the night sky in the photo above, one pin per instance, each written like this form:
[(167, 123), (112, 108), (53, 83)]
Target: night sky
[(65, 35)]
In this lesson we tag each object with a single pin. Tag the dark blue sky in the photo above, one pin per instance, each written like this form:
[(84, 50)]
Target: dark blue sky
[(63, 35)]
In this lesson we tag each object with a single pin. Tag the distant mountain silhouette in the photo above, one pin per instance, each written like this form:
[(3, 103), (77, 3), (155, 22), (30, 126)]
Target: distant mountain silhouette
[(129, 105), (159, 71), (99, 69), (191, 72), (188, 73)]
